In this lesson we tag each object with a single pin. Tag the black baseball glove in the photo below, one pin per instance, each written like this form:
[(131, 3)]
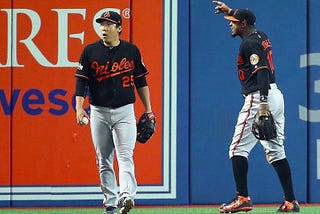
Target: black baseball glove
[(146, 127), (263, 126)]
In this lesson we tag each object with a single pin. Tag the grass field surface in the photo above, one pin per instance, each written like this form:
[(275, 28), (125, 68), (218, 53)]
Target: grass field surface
[(312, 209)]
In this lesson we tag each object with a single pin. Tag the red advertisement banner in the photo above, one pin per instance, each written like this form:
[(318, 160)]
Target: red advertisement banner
[(41, 43)]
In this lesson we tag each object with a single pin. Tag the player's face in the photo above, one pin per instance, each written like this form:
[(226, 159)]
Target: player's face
[(109, 33), (235, 28)]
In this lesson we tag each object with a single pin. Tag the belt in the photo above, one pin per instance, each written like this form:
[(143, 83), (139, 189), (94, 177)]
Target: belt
[(273, 86)]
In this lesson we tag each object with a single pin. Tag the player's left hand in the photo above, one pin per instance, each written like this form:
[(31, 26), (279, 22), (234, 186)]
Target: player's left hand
[(146, 127)]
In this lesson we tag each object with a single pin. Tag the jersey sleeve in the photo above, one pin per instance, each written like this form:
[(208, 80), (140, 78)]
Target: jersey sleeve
[(140, 69), (82, 76), (256, 55), (258, 61), (83, 66)]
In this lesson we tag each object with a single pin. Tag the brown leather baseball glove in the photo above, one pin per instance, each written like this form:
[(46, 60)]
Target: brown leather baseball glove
[(263, 126), (146, 127)]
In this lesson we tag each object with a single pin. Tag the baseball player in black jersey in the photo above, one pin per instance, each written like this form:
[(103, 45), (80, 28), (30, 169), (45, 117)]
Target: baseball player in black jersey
[(110, 69), (257, 76)]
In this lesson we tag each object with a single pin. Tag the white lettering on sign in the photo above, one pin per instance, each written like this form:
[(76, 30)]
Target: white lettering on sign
[(306, 114), (310, 115), (12, 60), (63, 35)]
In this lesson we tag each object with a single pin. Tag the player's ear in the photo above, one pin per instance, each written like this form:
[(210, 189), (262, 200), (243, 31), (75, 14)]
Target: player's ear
[(119, 29), (244, 23)]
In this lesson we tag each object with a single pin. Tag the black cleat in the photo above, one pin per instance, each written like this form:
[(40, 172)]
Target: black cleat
[(289, 207)]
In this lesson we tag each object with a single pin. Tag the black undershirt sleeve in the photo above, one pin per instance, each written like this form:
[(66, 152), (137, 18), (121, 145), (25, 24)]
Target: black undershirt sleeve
[(263, 81), (81, 86)]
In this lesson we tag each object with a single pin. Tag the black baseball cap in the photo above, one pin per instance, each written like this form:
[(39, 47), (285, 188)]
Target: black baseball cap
[(240, 15), (110, 16)]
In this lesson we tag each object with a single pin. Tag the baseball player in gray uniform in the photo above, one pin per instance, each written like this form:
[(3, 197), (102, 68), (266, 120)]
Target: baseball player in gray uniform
[(256, 73), (110, 69)]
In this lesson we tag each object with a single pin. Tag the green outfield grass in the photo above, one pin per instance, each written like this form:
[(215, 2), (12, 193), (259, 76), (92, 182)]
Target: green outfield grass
[(153, 210)]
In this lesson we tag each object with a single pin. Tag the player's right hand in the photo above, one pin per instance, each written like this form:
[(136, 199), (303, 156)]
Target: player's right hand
[(80, 113), (221, 7)]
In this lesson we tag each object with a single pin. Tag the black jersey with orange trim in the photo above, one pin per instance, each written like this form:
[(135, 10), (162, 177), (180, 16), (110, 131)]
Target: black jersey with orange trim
[(255, 55), (111, 72)]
